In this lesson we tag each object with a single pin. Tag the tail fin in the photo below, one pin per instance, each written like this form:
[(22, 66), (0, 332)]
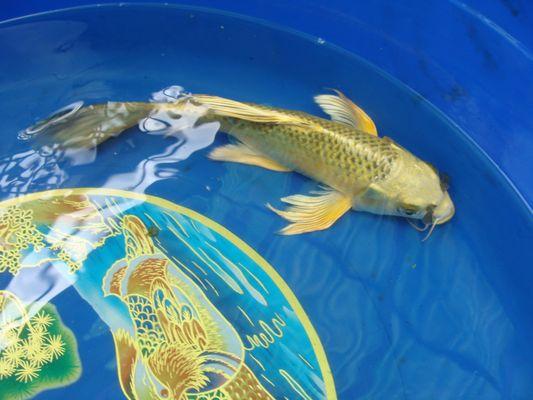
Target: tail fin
[(80, 127)]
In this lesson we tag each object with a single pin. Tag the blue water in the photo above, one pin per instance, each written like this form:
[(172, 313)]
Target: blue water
[(449, 318)]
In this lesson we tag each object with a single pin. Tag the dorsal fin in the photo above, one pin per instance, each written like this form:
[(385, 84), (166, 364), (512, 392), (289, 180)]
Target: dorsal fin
[(237, 109), (341, 109), (246, 111)]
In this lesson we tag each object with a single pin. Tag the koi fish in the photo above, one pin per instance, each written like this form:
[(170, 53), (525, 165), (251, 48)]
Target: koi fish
[(358, 169)]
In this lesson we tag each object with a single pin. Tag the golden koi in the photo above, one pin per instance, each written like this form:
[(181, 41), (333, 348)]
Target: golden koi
[(360, 170)]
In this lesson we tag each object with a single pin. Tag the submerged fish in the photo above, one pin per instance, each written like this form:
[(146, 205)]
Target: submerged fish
[(358, 169)]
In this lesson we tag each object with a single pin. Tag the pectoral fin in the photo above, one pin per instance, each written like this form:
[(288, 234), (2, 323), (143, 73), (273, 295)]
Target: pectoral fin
[(341, 109), (313, 213), (240, 153)]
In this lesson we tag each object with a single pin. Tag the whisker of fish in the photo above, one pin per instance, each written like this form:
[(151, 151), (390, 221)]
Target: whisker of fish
[(431, 230), (418, 228)]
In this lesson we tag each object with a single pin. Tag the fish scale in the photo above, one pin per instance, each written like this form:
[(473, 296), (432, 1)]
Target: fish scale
[(325, 151)]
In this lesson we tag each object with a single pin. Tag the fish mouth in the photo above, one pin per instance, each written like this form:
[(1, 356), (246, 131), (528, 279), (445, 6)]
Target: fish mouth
[(447, 217), (444, 211), (437, 216)]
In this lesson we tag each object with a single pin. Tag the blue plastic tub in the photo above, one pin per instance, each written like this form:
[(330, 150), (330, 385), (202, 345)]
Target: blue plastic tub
[(366, 310)]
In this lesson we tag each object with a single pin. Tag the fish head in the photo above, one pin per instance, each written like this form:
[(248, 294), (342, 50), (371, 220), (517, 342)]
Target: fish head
[(415, 191), (421, 192)]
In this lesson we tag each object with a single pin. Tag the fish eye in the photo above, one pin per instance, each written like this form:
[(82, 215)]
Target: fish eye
[(407, 210), (164, 393)]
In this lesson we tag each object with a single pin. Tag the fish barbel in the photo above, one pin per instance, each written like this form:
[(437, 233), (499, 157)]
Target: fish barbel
[(359, 169)]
